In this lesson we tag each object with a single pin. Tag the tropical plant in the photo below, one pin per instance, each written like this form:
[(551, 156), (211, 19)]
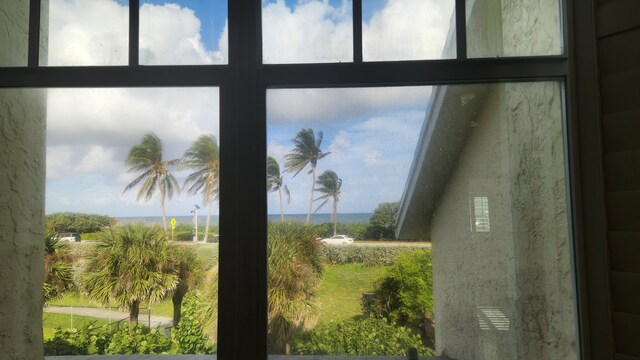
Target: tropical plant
[(58, 272), (369, 336), (189, 267), (203, 157), (404, 294), (207, 309), (329, 185), (382, 224), (77, 222), (275, 182), (294, 260), (306, 151), (130, 265), (146, 158), (188, 336)]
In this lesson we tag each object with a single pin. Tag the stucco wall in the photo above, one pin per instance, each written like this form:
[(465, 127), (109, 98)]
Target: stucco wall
[(506, 293), (22, 167), (14, 22), (513, 28)]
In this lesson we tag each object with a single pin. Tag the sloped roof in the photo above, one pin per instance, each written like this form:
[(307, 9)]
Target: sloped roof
[(449, 120)]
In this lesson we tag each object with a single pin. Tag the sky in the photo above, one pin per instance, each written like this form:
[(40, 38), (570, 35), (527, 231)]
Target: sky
[(371, 133)]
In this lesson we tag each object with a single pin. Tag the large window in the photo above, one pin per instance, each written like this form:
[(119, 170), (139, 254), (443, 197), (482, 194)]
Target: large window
[(471, 150)]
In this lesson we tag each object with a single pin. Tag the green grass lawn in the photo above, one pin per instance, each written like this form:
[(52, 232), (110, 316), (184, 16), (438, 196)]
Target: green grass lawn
[(342, 288), (51, 321), (338, 297), (163, 308)]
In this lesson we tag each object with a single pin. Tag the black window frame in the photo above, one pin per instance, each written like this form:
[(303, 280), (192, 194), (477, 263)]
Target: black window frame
[(243, 84)]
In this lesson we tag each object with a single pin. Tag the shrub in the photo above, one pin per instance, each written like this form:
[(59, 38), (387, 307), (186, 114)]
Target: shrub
[(368, 255), (77, 222), (358, 337), (138, 339), (188, 335), (404, 294), (88, 340), (382, 224)]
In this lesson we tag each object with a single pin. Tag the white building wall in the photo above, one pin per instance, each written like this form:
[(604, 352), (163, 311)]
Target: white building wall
[(506, 293)]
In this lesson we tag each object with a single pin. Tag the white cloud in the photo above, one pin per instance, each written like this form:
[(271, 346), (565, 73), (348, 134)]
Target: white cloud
[(95, 32), (88, 32), (408, 30), (170, 34), (335, 104), (58, 161), (313, 31), (97, 159)]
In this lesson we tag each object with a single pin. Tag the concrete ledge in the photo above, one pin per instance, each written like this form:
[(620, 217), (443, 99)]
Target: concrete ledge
[(214, 357)]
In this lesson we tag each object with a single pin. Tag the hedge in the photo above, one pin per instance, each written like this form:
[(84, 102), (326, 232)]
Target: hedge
[(368, 255)]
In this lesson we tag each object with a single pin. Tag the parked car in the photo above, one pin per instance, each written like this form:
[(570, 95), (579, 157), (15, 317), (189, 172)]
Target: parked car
[(75, 237), (338, 239)]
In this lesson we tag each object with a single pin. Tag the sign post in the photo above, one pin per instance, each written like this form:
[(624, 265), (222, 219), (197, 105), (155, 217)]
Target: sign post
[(173, 226)]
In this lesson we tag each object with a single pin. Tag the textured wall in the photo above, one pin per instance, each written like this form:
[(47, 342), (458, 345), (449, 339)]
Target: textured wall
[(474, 270), (513, 28), (507, 293), (22, 166), (14, 23)]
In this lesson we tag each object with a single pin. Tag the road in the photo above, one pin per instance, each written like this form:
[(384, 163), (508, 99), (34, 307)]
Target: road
[(114, 315)]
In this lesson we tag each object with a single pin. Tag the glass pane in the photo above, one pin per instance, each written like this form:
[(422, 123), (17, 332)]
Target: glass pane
[(513, 28), (307, 31), (86, 32), (184, 32), (408, 30), (14, 37), (131, 186), (388, 181)]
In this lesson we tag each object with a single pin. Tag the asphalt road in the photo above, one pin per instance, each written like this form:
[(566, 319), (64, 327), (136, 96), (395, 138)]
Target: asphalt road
[(114, 315)]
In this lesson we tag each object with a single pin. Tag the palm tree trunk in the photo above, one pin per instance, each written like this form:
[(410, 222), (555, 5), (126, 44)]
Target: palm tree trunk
[(313, 184), (281, 211), (335, 216), (164, 216), (134, 311), (177, 298), (206, 228)]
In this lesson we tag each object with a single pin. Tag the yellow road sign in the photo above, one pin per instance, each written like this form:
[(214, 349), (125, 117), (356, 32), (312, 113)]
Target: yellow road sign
[(173, 223)]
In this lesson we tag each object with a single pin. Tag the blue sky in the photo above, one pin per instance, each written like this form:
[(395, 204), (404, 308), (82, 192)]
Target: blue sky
[(212, 15), (371, 133)]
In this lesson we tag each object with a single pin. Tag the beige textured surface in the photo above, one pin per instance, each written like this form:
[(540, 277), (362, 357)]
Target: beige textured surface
[(22, 136), (507, 293), (14, 24)]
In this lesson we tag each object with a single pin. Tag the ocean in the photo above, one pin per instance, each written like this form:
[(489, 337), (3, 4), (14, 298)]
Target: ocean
[(350, 218)]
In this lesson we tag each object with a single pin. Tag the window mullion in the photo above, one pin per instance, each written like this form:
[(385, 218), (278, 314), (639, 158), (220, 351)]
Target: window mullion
[(461, 29), (134, 32), (34, 33), (242, 277), (357, 31)]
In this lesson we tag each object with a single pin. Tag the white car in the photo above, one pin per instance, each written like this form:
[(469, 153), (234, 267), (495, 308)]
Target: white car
[(338, 239)]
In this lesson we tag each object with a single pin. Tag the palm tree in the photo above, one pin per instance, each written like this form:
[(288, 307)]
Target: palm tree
[(275, 182), (294, 260), (189, 269), (58, 272), (329, 185), (306, 151), (204, 158), (146, 157), (130, 266)]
